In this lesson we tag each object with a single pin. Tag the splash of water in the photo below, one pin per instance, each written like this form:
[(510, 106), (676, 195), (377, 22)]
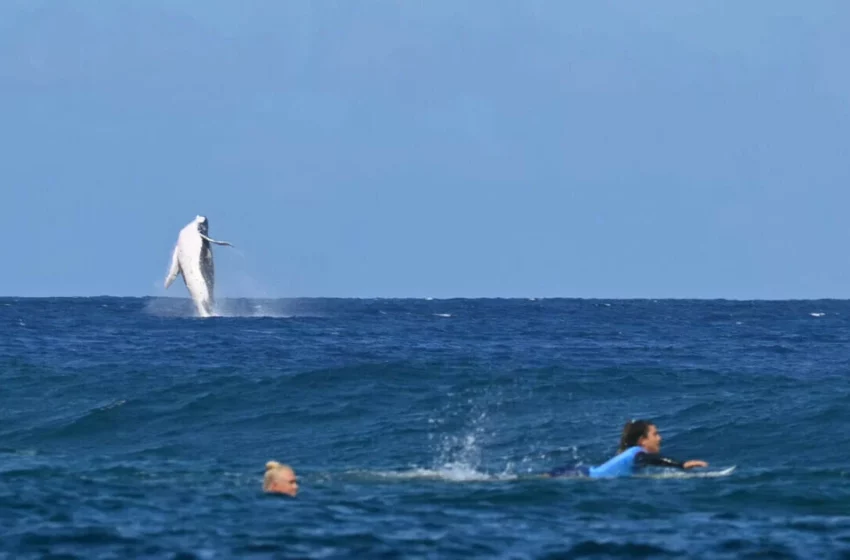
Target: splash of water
[(229, 307), (243, 307), (462, 432), (460, 455)]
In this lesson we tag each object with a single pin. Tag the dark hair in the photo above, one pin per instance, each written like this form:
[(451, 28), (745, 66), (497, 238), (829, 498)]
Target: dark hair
[(632, 432)]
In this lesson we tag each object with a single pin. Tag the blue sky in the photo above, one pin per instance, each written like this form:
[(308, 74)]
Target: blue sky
[(428, 149)]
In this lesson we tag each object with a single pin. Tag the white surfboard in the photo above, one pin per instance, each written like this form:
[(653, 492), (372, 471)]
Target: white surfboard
[(693, 473)]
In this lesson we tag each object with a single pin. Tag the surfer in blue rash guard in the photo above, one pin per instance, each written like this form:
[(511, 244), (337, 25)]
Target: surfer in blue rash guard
[(640, 446)]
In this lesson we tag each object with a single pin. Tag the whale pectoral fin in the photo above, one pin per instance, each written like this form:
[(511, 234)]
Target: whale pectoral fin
[(216, 242), (174, 270)]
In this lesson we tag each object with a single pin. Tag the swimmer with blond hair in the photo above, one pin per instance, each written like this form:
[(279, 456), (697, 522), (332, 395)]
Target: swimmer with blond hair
[(280, 479)]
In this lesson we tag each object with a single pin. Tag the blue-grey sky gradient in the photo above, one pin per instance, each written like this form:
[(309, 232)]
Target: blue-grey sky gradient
[(428, 149)]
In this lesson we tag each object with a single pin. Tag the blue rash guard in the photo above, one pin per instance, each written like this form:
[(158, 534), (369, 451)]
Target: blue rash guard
[(626, 463)]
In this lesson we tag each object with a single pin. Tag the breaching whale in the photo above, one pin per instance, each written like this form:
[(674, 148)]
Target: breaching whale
[(193, 258)]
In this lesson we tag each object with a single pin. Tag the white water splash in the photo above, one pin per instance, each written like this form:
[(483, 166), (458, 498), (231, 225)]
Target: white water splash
[(236, 307), (279, 309), (449, 473)]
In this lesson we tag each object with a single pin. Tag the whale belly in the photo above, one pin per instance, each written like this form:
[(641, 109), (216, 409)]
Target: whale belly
[(195, 260)]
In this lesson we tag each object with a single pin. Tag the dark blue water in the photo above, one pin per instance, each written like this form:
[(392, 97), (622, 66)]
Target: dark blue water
[(129, 429)]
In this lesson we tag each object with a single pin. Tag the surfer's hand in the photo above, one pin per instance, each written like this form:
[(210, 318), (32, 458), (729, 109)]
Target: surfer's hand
[(692, 464)]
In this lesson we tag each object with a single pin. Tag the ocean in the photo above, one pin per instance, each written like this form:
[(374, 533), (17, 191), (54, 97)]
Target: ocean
[(131, 429)]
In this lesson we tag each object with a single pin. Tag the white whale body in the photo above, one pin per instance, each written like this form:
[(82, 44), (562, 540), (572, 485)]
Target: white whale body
[(193, 259)]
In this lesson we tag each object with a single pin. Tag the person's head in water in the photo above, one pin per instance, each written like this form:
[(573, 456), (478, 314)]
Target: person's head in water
[(640, 432), (280, 479)]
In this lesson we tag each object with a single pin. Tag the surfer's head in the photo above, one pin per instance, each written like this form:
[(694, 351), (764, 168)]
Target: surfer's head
[(280, 479), (640, 432)]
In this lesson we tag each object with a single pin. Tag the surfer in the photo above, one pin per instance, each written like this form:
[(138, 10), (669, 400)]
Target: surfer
[(280, 479), (640, 446)]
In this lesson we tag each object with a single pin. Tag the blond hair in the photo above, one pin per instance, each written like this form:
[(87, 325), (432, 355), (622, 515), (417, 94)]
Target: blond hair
[(272, 469)]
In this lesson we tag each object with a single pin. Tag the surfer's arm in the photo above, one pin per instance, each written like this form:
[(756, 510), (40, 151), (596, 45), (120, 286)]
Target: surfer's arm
[(216, 242), (658, 460)]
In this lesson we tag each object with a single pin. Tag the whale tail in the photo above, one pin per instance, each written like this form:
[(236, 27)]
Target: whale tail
[(174, 270)]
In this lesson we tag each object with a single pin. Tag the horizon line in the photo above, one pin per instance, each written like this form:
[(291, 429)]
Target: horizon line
[(447, 298)]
